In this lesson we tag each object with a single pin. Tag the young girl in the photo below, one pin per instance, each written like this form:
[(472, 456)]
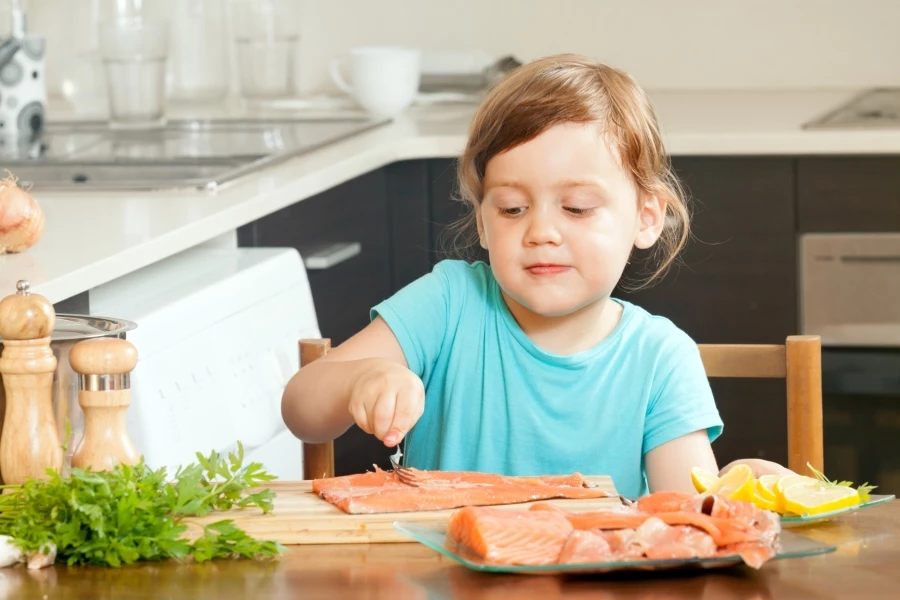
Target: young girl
[(528, 366)]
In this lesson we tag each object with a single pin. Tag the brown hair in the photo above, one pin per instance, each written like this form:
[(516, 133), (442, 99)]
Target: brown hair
[(571, 88)]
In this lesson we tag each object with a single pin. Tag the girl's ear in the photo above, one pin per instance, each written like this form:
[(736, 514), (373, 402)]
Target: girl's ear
[(482, 237), (651, 219)]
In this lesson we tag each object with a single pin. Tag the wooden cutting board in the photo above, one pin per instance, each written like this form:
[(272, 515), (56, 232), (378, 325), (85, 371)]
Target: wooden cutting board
[(301, 517)]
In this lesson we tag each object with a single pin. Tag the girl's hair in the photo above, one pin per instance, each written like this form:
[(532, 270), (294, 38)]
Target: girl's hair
[(564, 89)]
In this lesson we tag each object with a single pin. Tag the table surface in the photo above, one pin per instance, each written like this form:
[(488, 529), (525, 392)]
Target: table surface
[(865, 565)]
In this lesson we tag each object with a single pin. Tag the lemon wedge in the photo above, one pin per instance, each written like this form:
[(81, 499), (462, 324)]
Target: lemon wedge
[(737, 484), (815, 498), (703, 479)]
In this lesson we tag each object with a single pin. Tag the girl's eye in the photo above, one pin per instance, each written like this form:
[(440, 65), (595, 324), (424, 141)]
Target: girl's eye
[(580, 212), (512, 212)]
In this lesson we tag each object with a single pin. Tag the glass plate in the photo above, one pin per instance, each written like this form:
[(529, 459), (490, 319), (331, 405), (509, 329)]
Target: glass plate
[(434, 535), (794, 520)]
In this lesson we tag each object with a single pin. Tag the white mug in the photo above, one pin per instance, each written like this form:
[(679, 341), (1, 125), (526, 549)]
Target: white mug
[(384, 80)]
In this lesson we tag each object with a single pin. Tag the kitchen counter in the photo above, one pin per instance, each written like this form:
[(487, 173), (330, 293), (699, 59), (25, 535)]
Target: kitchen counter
[(94, 237), (863, 566)]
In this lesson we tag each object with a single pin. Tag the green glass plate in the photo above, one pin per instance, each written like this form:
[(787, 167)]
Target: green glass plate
[(794, 520), (435, 537)]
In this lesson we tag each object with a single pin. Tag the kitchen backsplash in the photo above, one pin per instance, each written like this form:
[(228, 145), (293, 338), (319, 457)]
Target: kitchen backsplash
[(664, 43)]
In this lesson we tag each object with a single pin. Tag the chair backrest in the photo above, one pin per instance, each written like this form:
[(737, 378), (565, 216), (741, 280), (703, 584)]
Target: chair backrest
[(318, 459), (798, 361)]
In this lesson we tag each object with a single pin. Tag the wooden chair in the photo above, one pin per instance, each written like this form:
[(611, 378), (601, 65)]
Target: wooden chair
[(318, 459), (798, 361)]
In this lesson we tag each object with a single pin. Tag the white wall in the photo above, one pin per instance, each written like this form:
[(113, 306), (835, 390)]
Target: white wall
[(664, 43)]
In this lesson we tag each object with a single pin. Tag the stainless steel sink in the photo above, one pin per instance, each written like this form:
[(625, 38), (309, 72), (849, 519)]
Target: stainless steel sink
[(195, 154), (874, 109)]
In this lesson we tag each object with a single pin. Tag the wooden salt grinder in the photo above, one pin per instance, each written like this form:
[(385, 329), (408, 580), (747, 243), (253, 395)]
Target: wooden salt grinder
[(29, 443), (104, 368)]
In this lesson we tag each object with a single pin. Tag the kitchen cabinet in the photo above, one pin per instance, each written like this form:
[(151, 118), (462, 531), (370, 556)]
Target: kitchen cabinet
[(354, 212), (848, 194), (446, 210)]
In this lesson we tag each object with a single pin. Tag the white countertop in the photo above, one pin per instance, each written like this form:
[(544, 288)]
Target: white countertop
[(94, 237)]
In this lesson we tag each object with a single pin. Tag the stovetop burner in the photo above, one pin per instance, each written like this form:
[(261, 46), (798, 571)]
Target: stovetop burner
[(874, 109)]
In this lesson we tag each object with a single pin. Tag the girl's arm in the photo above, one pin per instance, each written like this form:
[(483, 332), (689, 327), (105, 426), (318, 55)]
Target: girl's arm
[(315, 405), (669, 465)]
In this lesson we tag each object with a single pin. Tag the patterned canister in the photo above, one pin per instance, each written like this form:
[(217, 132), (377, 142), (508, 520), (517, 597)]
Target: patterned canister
[(23, 90)]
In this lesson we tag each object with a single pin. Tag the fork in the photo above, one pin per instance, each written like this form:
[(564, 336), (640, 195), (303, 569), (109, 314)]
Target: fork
[(404, 474)]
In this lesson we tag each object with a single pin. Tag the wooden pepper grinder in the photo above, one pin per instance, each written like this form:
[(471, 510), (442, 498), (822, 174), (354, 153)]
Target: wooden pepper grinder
[(29, 443), (104, 368)]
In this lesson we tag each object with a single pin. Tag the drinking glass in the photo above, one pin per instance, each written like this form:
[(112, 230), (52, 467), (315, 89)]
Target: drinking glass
[(134, 51), (265, 40)]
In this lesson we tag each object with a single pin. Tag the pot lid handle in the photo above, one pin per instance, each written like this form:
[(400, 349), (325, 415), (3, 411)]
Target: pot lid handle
[(26, 316)]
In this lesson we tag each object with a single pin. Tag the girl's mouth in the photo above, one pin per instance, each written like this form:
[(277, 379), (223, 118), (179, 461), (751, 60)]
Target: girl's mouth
[(546, 269)]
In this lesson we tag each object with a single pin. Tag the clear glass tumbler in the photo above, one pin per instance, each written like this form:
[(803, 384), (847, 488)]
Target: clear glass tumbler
[(266, 40), (134, 52)]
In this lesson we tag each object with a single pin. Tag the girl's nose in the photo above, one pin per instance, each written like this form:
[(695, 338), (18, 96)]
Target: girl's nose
[(541, 229)]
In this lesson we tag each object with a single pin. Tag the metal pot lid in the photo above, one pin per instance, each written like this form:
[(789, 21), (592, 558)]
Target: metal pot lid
[(82, 327)]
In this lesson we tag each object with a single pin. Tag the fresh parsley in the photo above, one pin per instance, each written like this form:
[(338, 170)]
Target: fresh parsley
[(134, 513), (862, 490)]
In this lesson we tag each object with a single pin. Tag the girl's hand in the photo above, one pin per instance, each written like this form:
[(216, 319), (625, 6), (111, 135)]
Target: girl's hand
[(386, 400), (759, 467)]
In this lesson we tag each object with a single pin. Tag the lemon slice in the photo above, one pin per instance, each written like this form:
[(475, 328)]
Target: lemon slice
[(764, 503), (786, 481), (765, 486), (737, 484), (703, 479), (815, 498)]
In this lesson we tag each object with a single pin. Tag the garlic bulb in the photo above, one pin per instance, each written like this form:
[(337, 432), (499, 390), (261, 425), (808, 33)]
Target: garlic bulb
[(43, 557), (21, 218), (10, 554)]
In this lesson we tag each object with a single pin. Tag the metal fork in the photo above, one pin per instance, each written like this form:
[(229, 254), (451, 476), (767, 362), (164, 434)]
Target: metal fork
[(404, 474)]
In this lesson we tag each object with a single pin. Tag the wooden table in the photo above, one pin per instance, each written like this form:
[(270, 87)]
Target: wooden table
[(866, 565)]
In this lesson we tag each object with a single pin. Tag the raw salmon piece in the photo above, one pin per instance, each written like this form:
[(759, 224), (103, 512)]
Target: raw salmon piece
[(723, 531), (754, 554), (660, 502), (507, 537), (682, 541), (618, 540), (383, 492), (586, 547)]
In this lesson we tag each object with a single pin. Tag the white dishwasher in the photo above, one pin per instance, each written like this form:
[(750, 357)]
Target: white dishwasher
[(217, 332)]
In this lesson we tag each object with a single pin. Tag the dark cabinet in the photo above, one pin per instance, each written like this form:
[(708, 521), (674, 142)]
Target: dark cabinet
[(354, 212), (449, 239), (848, 194)]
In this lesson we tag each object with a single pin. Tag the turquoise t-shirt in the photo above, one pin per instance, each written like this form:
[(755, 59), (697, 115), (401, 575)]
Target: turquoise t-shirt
[(497, 403)]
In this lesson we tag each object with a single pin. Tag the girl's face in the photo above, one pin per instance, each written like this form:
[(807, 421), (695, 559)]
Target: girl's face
[(559, 218)]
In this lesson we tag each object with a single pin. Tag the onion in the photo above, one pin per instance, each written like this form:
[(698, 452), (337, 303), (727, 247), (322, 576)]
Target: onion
[(21, 217)]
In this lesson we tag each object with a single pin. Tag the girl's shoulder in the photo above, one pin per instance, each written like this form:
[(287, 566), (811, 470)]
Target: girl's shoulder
[(655, 333), (465, 279)]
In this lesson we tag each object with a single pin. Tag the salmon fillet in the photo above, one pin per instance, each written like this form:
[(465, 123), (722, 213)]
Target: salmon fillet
[(382, 492), (667, 526), (510, 537)]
